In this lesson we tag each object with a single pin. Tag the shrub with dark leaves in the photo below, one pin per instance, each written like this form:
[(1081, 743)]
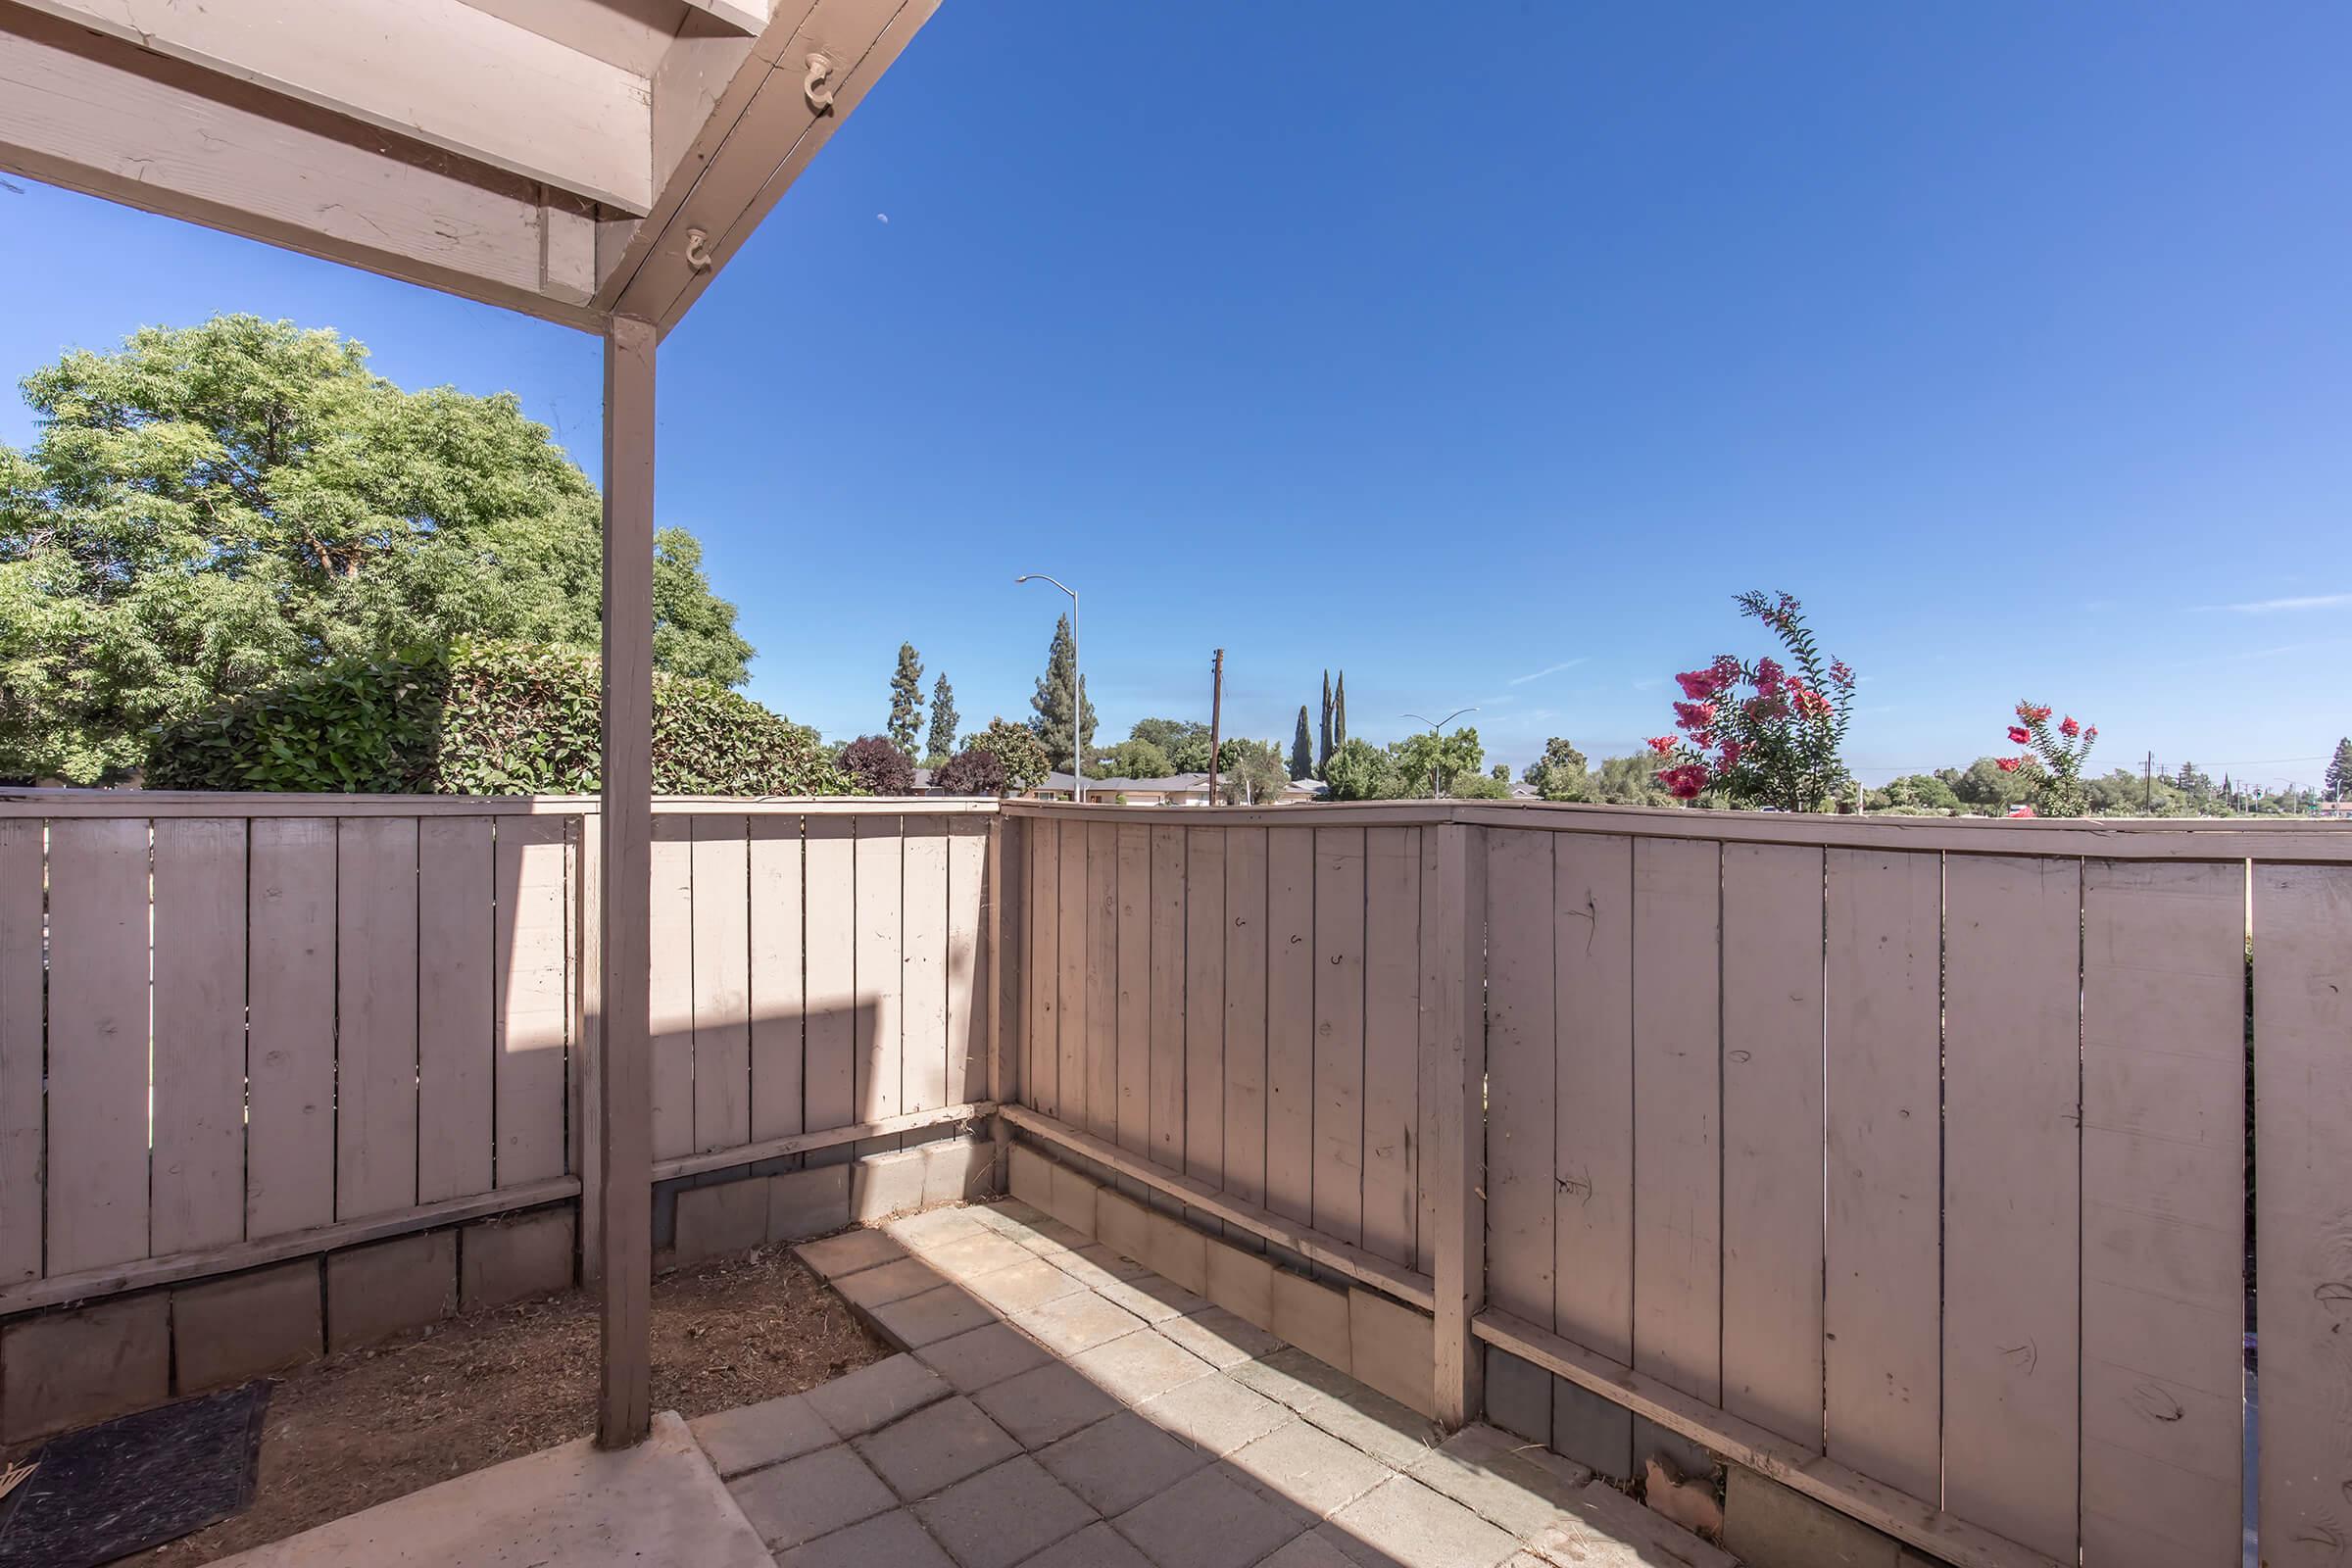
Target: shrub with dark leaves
[(972, 771), (879, 768)]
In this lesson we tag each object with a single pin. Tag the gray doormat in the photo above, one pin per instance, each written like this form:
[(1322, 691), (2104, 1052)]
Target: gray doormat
[(136, 1482)]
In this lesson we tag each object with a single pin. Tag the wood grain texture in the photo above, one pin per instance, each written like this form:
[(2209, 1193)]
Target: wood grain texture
[(375, 1015), (1453, 1044), (1291, 1022), (1882, 1306), (1132, 874), (1245, 1014), (831, 1031), (457, 1051), (1522, 1060), (1205, 1004), (1168, 997), (1772, 1138), (1593, 1160), (2012, 1196), (968, 998), (24, 1115), (1339, 1168), (722, 982), (1392, 1027), (198, 1050), (1070, 946), (2163, 1202), (924, 965), (1436, 1079), (1101, 963), (290, 1045), (2303, 1219), (670, 983), (776, 976), (1042, 968), (531, 967), (881, 1040), (1678, 1100)]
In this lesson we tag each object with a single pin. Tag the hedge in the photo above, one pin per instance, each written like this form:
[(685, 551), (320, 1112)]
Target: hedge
[(482, 718)]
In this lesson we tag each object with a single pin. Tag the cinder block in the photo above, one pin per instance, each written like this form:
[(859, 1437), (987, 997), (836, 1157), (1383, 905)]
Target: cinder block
[(1032, 1177), (1393, 1349), (1072, 1199), (1179, 1253), (226, 1331), (887, 1184), (1518, 1397), (68, 1369), (1241, 1283), (388, 1287), (1765, 1525), (502, 1260), (1594, 1429), (801, 1204), (954, 1169), (721, 1219), (1313, 1317), (1123, 1225)]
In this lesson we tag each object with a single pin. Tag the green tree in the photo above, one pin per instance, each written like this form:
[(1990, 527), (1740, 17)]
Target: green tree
[(1134, 759), (1428, 762), (1500, 772), (1251, 772), (1053, 704), (1302, 749), (1917, 792), (906, 700), (1168, 734), (1482, 787), (1338, 712), (1631, 780), (942, 737), (212, 511), (1360, 772), (1018, 748), (1323, 734), (1561, 774), (2338, 782)]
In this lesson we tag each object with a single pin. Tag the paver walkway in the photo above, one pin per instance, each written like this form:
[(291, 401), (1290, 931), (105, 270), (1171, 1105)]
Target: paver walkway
[(1061, 1407)]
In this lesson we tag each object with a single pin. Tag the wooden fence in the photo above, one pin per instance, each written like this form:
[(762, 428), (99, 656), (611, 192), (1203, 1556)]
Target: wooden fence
[(239, 1028), (1903, 1160)]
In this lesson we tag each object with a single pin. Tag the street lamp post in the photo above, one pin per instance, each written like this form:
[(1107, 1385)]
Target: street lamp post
[(1434, 725), (1077, 692)]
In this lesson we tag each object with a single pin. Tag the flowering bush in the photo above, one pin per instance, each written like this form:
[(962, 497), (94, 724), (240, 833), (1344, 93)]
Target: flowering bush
[(1765, 734), (2053, 759)]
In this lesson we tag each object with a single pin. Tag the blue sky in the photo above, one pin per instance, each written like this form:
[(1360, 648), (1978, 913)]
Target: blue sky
[(1488, 359)]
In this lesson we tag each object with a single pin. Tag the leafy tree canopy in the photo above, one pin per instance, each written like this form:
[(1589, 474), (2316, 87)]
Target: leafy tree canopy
[(1016, 748), (1424, 757), (1360, 772), (1561, 774), (1252, 771), (209, 511), (1134, 759)]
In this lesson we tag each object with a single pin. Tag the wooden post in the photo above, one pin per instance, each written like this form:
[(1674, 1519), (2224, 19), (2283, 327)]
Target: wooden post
[(588, 1066), (1007, 863), (1460, 1003), (625, 1099)]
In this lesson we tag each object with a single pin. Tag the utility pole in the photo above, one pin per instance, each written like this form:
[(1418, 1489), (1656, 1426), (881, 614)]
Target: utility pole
[(1216, 714), (2147, 783)]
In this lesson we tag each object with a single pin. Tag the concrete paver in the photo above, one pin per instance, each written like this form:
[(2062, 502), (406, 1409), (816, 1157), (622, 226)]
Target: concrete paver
[(1212, 1519), (1046, 1405), (813, 1495), (979, 1358), (1403, 1524), (1116, 1463), (874, 1396), (935, 1447), (753, 1434), (1000, 1516), (896, 1539)]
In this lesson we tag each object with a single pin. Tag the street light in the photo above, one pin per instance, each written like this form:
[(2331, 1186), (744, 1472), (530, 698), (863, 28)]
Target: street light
[(1434, 725), (1077, 691)]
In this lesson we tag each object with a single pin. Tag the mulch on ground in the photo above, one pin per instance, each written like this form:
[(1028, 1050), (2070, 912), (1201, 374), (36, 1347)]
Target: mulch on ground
[(369, 1425)]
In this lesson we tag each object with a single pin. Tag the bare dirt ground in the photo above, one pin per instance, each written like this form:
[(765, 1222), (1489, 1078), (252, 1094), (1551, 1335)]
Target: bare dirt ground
[(369, 1425)]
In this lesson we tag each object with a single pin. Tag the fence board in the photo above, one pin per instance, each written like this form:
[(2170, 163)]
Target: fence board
[(1678, 1100), (1205, 1004), (1135, 1023), (722, 982), (1339, 1172), (1881, 1308), (2303, 1222), (1592, 1161), (2163, 1243), (670, 993), (456, 947), (1100, 965), (1391, 1025), (1522, 1059), (22, 1113), (1435, 965), (1291, 1022), (1041, 971), (2012, 1196), (776, 976), (290, 1049), (830, 1026), (1772, 1113), (881, 1059), (1245, 1014), (375, 1015), (534, 987), (1168, 997), (198, 1185), (1071, 980), (968, 995), (924, 965)]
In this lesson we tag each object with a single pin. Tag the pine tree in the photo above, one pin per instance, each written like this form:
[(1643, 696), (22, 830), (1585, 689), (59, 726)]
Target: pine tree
[(2339, 770), (1052, 700), (1323, 735), (2189, 776), (906, 700), (1302, 749), (942, 739), (1338, 712)]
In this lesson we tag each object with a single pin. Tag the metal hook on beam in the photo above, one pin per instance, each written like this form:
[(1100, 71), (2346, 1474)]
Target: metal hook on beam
[(816, 86), (698, 254)]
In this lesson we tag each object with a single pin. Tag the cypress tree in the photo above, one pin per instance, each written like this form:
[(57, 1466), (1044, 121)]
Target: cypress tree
[(1302, 749), (1338, 712), (942, 739), (1052, 699), (1323, 735), (906, 700)]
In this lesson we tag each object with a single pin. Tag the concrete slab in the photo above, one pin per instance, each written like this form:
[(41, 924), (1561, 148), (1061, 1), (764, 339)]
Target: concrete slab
[(1403, 1524), (767, 1433), (1117, 1463), (1212, 1519), (1503, 1478), (803, 1498), (1154, 1299), (578, 1505), (895, 1538), (1136, 1367), (874, 1396), (389, 1288), (1243, 1283), (1220, 1338), (850, 1251), (1000, 1516), (1310, 1467), (890, 1282), (1078, 1321), (226, 1331), (1045, 1405), (1097, 1265), (935, 1447), (1096, 1546), (1604, 1528), (968, 1256), (1215, 1414), (807, 1202), (916, 1321), (983, 1356)]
